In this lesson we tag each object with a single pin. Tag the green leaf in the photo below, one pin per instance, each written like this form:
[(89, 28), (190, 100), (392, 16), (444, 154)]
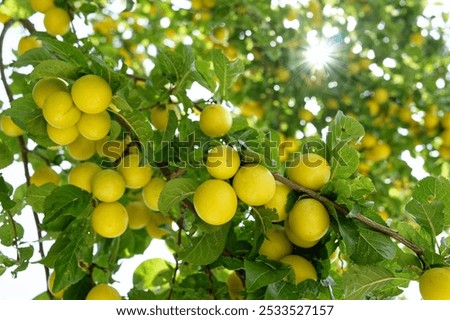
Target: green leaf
[(174, 192), (226, 71), (178, 66), (6, 156), (205, 74), (205, 249), (259, 274), (430, 216), (73, 248), (63, 205), (10, 231), (25, 254), (43, 296), (239, 123), (372, 247), (152, 274), (135, 294), (281, 290), (54, 68), (344, 162), (65, 51), (344, 129), (349, 190), (121, 104), (5, 194), (36, 196), (172, 126), (133, 243), (359, 281), (263, 221), (415, 235), (29, 117), (78, 290), (33, 57), (432, 189), (140, 126), (349, 233)]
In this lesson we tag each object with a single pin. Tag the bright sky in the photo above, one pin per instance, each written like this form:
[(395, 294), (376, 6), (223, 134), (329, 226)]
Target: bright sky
[(31, 282)]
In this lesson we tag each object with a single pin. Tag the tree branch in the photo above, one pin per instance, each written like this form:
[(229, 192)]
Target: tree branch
[(2, 66), (359, 217), (23, 148)]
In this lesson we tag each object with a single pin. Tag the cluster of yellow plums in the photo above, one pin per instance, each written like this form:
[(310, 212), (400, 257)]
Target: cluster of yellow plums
[(110, 218), (76, 119), (306, 223), (216, 200), (56, 20)]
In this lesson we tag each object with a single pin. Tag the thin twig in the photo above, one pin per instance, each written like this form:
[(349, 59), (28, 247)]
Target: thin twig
[(24, 153), (135, 77), (419, 251)]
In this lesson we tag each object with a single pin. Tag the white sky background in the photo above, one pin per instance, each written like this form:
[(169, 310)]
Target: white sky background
[(31, 282)]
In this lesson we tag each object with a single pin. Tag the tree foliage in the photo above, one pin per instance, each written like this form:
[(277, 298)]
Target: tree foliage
[(361, 83)]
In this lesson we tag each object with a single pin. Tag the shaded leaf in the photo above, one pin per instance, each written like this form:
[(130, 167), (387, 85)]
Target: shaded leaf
[(54, 68), (259, 274), (36, 196), (152, 274), (174, 192), (205, 249), (360, 281), (430, 216), (72, 248), (372, 247), (63, 205), (6, 156), (5, 194), (29, 117)]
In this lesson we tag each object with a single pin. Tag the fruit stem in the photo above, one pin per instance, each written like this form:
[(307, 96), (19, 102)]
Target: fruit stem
[(419, 251)]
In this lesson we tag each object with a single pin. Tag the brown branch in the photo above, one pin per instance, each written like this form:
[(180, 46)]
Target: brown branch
[(23, 148), (135, 77), (24, 153), (419, 251), (28, 25), (178, 173), (2, 66)]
